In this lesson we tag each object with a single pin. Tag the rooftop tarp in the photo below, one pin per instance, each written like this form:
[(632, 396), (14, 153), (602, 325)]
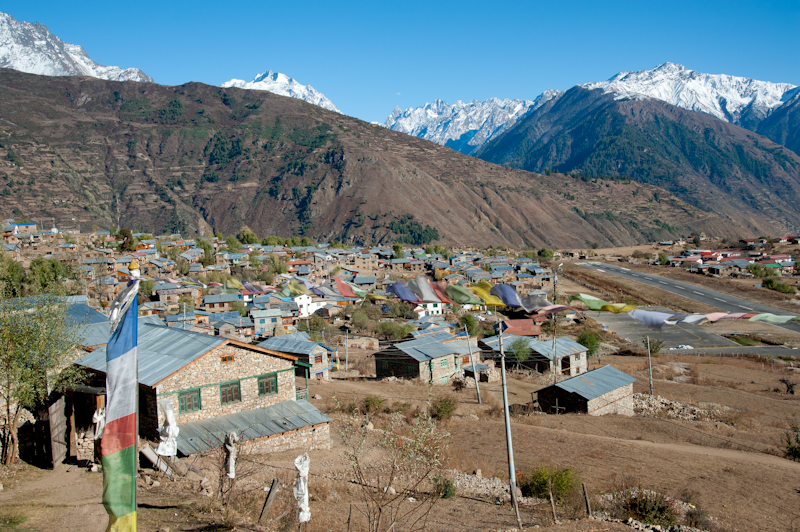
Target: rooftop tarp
[(422, 289), (439, 288), (344, 288), (507, 293), (461, 295), (483, 290), (401, 290), (593, 303)]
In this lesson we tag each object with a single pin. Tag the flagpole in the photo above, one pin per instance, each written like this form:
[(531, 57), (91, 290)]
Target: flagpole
[(512, 472)]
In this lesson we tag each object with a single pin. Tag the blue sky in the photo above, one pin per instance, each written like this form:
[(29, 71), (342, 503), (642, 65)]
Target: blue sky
[(368, 57)]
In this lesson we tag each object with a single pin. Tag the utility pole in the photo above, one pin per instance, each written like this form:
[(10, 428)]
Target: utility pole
[(512, 473), (184, 316), (650, 365), (474, 369), (346, 352)]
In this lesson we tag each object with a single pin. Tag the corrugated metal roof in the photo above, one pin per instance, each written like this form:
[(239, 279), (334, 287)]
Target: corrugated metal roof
[(564, 346), (593, 384), (293, 345), (206, 434), (162, 351)]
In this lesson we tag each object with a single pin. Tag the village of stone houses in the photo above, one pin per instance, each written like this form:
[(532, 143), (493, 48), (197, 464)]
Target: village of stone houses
[(436, 388)]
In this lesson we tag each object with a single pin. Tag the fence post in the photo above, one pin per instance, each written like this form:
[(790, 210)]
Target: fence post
[(586, 497)]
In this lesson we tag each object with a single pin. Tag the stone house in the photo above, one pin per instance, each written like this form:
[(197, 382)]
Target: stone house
[(241, 328), (216, 385), (434, 359), (220, 302), (601, 391), (265, 320), (301, 347)]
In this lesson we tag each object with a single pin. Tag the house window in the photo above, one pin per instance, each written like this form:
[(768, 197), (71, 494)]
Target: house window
[(268, 384), (444, 362), (189, 401), (411, 368), (383, 364), (226, 358), (274, 320), (318, 359), (263, 321), (445, 379), (229, 393)]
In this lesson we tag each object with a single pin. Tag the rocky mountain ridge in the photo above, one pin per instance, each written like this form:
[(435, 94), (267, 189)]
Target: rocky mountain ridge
[(32, 48), (464, 127), (281, 84), (195, 158)]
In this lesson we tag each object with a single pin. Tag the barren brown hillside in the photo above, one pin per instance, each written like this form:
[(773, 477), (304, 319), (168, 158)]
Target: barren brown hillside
[(197, 157)]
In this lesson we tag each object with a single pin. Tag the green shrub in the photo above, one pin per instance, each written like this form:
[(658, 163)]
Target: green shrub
[(773, 284), (649, 507), (591, 341), (536, 483), (442, 408), (444, 487), (791, 439), (372, 403)]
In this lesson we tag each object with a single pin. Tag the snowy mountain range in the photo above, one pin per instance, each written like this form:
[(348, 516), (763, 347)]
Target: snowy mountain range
[(281, 84), (729, 98), (32, 48), (464, 127)]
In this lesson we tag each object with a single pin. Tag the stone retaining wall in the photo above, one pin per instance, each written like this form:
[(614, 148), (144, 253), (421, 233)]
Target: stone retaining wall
[(307, 438)]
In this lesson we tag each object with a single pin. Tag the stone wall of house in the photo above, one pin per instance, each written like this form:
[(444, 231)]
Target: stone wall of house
[(577, 364), (438, 371), (148, 412), (307, 438), (619, 401), (209, 372)]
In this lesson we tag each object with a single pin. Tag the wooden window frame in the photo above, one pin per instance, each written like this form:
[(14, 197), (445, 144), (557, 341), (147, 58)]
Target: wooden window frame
[(186, 394), (269, 377), (226, 358), (224, 387)]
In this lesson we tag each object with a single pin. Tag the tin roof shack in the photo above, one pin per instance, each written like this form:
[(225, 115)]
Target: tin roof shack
[(569, 358), (216, 385), (601, 391), (300, 346), (433, 358)]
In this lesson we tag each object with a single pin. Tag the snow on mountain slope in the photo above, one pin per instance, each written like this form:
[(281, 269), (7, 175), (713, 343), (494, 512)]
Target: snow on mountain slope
[(728, 98), (278, 83), (464, 127), (32, 48)]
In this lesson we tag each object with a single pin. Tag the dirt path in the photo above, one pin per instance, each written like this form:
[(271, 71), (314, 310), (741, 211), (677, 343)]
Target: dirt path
[(68, 498)]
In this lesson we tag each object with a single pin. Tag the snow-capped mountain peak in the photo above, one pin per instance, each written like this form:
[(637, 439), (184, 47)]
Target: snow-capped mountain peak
[(281, 84), (32, 48), (726, 97), (463, 126)]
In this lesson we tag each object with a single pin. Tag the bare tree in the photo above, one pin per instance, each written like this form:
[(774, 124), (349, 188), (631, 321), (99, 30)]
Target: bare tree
[(396, 491)]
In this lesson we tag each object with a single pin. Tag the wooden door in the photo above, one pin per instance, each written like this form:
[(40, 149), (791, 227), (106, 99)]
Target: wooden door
[(58, 431)]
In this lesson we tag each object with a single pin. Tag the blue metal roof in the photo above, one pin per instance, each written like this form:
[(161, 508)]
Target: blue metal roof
[(205, 434), (593, 384), (290, 344), (162, 351)]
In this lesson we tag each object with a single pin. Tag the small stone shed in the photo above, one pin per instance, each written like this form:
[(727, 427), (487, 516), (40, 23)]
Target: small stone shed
[(601, 391), (435, 358), (568, 358), (216, 385)]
